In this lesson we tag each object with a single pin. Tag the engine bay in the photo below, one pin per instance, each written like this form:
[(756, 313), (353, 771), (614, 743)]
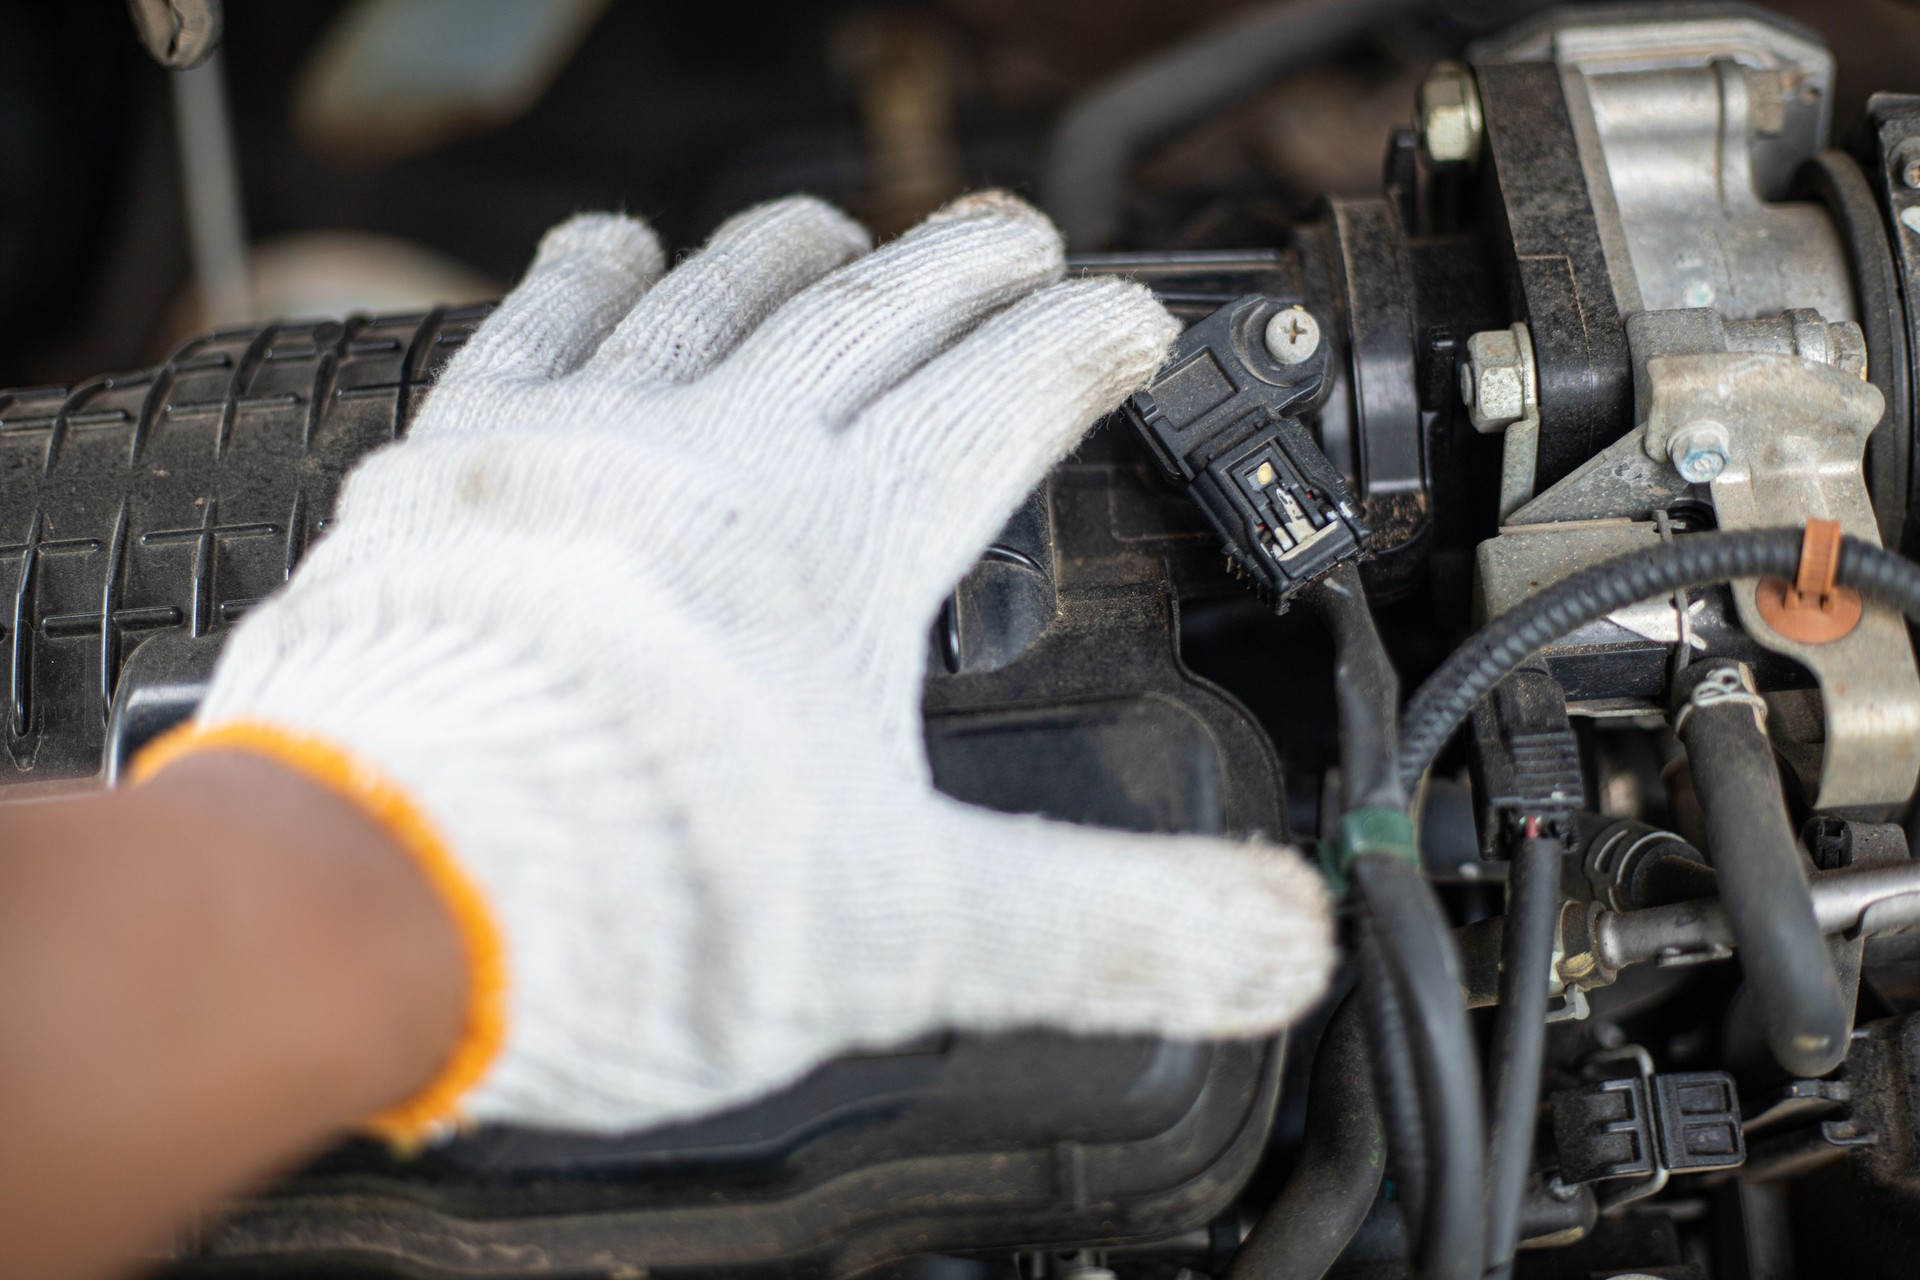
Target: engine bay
[(1526, 541)]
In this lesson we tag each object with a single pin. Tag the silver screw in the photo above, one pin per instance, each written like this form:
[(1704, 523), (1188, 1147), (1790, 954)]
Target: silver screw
[(1699, 451), (1292, 335), (1906, 162)]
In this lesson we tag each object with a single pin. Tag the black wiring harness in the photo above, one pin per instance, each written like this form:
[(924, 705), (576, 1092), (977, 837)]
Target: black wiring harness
[(1460, 1184)]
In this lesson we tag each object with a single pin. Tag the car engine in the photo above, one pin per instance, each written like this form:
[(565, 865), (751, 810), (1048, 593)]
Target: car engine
[(1527, 541)]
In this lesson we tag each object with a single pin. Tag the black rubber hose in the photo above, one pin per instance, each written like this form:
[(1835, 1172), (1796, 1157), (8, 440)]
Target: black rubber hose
[(1396, 1076), (1306, 1229), (1519, 1039), (1083, 176), (1367, 691), (1430, 1077), (1691, 560), (1417, 951), (1763, 883)]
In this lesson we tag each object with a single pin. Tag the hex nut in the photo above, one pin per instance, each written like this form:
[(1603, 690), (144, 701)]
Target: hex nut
[(1494, 380), (1449, 109)]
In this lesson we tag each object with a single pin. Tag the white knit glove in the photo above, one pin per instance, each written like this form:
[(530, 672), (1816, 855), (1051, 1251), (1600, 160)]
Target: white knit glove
[(626, 644)]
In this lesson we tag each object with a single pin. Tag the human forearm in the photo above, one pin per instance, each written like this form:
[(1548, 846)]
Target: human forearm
[(200, 978)]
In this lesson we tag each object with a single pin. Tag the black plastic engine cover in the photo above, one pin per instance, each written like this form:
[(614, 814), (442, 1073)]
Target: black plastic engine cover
[(145, 513)]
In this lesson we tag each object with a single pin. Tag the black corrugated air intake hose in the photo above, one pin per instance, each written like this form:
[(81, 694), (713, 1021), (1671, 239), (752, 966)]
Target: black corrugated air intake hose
[(1800, 1010)]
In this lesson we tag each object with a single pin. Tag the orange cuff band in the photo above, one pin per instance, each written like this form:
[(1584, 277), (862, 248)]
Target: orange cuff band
[(485, 1027)]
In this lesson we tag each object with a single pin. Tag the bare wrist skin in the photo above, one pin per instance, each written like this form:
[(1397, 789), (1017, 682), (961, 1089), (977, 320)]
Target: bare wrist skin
[(201, 977)]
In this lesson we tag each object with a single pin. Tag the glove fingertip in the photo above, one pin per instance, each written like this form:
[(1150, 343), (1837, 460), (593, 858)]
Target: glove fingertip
[(606, 239), (817, 221), (1135, 330), (997, 206)]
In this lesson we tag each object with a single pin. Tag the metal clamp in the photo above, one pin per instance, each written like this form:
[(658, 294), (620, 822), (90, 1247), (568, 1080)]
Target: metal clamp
[(1797, 430), (1726, 685)]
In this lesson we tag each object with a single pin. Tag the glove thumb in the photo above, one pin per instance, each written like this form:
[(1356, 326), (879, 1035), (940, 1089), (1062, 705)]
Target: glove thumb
[(1098, 931)]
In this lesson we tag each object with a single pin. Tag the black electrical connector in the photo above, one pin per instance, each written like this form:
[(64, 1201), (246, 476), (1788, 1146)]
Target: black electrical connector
[(1218, 420), (1634, 1127)]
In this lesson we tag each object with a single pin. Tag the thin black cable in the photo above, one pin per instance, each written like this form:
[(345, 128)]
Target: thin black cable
[(1396, 1076), (1519, 1038), (1367, 690), (1430, 1076)]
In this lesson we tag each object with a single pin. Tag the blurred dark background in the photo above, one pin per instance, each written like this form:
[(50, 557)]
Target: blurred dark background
[(386, 180)]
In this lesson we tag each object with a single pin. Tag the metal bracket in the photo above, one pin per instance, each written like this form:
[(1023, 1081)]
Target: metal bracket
[(1797, 431)]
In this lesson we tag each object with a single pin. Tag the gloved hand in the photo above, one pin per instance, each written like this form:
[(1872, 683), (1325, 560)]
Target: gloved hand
[(624, 644)]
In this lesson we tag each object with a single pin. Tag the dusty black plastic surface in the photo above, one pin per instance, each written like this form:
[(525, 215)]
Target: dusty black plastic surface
[(973, 1144), (1604, 1129)]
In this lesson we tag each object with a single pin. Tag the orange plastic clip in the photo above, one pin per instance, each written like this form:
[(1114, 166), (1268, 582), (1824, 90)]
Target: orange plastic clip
[(1813, 608)]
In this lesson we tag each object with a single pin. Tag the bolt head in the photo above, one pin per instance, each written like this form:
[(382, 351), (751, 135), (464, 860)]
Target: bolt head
[(1493, 381), (1292, 335), (1449, 108), (1700, 451), (1905, 161)]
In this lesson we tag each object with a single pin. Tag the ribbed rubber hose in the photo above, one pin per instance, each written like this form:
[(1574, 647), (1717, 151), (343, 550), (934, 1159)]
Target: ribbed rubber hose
[(1691, 560), (1416, 948), (1313, 1220), (1519, 1039)]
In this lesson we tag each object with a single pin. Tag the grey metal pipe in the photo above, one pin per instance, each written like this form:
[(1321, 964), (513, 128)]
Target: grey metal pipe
[(210, 188), (1083, 175), (1868, 901)]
